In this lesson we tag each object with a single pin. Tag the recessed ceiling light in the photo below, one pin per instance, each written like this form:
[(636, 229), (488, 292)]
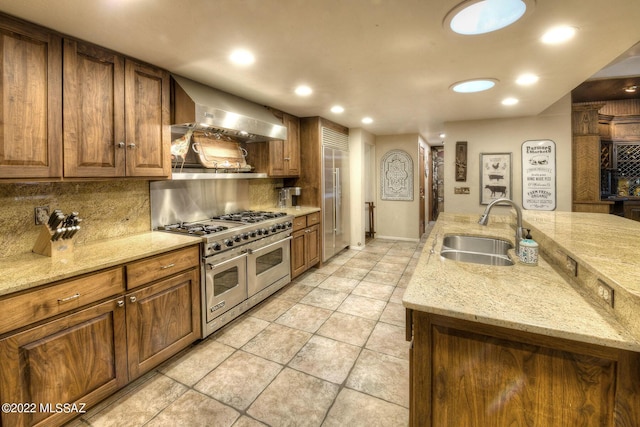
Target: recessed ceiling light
[(631, 89), (476, 85), (303, 90), (442, 135), (337, 109), (483, 16), (242, 57), (367, 120), (509, 101), (527, 79), (559, 34)]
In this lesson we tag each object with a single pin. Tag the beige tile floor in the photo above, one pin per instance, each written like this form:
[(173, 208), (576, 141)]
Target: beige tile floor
[(329, 349)]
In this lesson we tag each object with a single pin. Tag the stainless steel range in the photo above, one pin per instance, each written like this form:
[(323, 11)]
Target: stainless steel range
[(245, 259)]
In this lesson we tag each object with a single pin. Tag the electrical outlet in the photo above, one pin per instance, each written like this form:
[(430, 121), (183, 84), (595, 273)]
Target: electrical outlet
[(572, 266), (605, 292), (41, 214)]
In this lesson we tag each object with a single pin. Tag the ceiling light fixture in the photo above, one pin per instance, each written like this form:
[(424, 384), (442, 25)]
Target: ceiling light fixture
[(559, 34), (442, 135), (631, 89), (474, 17), (303, 90), (475, 85), (242, 57), (509, 101), (367, 120), (527, 79), (337, 109)]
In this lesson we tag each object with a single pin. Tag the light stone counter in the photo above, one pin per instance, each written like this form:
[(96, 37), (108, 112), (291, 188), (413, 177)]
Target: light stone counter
[(303, 210), (28, 270), (534, 299)]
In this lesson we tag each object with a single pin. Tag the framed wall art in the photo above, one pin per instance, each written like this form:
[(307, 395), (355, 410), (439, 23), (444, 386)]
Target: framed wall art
[(396, 176), (495, 176), (461, 161), (539, 175)]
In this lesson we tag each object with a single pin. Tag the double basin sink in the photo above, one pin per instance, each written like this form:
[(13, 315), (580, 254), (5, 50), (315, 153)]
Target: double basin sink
[(477, 250)]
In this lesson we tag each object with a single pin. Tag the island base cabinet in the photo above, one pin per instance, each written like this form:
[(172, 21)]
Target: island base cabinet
[(467, 374), (162, 319), (60, 368)]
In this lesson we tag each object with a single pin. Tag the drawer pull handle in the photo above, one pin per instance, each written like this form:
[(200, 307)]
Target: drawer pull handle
[(132, 299), (69, 298), (164, 267), (120, 303)]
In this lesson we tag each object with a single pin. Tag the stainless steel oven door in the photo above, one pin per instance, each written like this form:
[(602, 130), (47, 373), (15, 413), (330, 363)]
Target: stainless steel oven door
[(225, 284), (268, 264)]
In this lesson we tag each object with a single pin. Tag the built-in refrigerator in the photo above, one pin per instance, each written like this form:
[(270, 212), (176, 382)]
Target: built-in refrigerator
[(335, 190)]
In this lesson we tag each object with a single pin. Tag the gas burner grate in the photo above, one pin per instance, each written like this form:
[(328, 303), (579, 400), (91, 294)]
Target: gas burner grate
[(250, 217), (195, 229)]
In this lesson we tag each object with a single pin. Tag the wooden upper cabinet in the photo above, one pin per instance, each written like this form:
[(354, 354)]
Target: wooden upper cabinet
[(93, 111), (147, 127), (116, 115), (31, 101), (284, 156)]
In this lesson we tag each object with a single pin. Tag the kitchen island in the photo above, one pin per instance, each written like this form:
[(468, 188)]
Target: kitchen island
[(522, 345)]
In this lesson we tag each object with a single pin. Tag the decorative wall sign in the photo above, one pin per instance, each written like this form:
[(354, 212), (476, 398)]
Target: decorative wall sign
[(396, 176), (495, 176), (461, 161), (539, 175)]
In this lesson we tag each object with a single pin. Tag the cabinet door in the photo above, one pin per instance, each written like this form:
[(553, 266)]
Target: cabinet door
[(284, 156), (298, 253), (162, 319), (93, 111), (79, 358), (313, 245), (31, 101), (292, 145), (147, 127)]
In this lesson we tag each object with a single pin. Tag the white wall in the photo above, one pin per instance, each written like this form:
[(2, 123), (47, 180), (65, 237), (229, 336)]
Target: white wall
[(397, 219), (358, 140), (507, 135)]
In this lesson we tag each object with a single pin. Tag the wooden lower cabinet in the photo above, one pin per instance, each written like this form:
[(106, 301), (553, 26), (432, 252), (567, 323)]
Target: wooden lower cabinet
[(77, 359), (78, 341), (305, 243), (162, 319), (468, 374)]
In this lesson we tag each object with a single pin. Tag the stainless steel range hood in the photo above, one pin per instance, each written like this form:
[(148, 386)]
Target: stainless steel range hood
[(196, 106)]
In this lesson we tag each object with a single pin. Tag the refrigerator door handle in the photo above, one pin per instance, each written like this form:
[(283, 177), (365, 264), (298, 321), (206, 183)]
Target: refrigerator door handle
[(338, 193)]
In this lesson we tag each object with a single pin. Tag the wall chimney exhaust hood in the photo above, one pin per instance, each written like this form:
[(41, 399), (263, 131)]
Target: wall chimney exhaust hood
[(196, 106)]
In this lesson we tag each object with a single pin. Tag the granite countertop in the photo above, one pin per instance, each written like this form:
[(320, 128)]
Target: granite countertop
[(299, 211), (29, 270), (535, 299)]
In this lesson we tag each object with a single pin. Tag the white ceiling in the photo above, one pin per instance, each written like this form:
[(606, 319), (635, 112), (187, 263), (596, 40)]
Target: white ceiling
[(392, 60)]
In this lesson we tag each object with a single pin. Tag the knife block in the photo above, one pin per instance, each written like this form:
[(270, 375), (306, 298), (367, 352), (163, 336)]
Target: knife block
[(58, 249)]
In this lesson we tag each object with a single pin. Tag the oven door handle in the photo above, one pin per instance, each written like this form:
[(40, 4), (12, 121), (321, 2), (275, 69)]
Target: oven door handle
[(212, 266), (253, 251)]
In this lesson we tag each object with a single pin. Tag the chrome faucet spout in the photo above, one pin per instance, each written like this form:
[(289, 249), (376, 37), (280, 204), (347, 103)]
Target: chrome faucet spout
[(484, 218)]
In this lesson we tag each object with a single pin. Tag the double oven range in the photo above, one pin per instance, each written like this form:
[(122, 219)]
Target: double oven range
[(245, 259)]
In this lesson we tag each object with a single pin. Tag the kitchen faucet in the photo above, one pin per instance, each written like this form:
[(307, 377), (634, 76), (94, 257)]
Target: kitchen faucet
[(484, 219)]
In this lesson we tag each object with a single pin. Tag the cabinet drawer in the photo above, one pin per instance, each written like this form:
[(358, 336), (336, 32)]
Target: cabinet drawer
[(299, 223), (48, 301), (313, 219), (154, 268)]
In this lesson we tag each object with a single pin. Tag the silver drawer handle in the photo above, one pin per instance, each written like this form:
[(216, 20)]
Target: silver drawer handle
[(69, 298), (120, 303), (132, 299), (164, 267)]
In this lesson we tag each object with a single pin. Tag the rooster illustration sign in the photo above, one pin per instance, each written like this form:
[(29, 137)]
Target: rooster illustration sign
[(495, 176)]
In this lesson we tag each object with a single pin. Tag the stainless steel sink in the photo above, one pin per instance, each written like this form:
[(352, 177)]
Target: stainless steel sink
[(478, 250)]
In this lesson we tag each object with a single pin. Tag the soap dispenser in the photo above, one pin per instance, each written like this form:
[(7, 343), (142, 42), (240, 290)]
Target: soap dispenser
[(528, 250)]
